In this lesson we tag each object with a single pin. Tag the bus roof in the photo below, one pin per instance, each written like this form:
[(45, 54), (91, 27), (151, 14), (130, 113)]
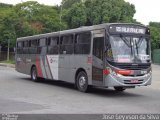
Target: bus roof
[(76, 30)]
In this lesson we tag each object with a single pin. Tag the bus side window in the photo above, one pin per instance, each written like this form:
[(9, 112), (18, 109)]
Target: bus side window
[(53, 46), (34, 43), (42, 48), (42, 42), (25, 47), (66, 44), (33, 47), (19, 47), (83, 43)]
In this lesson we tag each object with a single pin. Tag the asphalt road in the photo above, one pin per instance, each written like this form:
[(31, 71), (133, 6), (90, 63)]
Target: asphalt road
[(18, 94)]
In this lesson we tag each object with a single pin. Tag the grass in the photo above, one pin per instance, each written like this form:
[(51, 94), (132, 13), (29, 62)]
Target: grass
[(8, 61)]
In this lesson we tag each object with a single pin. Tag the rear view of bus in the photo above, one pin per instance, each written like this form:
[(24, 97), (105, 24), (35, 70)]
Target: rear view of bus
[(128, 59)]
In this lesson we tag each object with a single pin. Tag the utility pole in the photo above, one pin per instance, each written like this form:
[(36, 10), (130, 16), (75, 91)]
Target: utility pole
[(0, 48), (60, 16), (8, 50)]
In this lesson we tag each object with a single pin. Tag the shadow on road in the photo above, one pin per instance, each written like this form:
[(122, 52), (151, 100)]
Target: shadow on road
[(103, 92)]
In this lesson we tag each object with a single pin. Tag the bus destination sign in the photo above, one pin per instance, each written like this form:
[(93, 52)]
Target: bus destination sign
[(130, 30), (127, 29)]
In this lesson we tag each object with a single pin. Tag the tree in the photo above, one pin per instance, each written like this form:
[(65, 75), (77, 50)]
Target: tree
[(26, 19), (66, 4), (8, 21), (155, 24), (91, 12), (41, 18), (127, 12), (76, 16), (106, 11), (155, 35)]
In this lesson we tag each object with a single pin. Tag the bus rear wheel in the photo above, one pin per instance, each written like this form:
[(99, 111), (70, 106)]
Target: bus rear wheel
[(82, 81), (34, 76), (120, 89)]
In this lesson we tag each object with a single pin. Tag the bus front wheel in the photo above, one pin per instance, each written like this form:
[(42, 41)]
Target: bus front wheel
[(34, 76), (120, 89), (82, 81)]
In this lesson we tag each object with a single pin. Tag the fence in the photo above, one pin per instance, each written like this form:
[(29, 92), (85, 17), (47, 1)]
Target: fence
[(3, 55), (156, 56)]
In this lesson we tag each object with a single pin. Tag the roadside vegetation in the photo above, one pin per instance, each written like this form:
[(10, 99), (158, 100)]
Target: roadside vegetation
[(8, 61), (31, 18)]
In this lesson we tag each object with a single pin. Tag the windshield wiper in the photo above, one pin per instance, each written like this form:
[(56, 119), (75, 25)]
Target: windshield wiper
[(138, 44), (125, 40)]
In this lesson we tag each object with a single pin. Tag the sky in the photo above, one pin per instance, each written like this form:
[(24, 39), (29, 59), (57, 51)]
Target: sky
[(146, 10)]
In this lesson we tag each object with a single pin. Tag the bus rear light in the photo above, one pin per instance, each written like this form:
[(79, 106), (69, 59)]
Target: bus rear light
[(124, 72), (89, 60)]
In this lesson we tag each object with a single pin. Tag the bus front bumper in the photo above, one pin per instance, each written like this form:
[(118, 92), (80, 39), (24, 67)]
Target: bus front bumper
[(113, 80)]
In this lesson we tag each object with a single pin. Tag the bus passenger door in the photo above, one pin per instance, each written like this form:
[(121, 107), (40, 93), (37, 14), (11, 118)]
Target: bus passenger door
[(98, 57)]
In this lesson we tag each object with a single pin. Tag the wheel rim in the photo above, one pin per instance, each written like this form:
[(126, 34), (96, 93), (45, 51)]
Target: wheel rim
[(82, 82), (34, 74)]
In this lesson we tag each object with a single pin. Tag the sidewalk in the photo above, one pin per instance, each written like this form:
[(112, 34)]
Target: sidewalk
[(7, 65)]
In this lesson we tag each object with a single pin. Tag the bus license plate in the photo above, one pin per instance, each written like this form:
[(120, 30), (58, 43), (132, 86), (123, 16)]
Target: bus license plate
[(134, 81)]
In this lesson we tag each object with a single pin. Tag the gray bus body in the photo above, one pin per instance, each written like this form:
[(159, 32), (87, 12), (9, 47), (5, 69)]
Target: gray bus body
[(62, 55)]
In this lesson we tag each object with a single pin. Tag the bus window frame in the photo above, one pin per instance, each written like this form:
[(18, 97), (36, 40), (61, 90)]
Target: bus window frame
[(35, 47), (90, 42), (70, 44), (26, 47), (48, 44), (19, 50)]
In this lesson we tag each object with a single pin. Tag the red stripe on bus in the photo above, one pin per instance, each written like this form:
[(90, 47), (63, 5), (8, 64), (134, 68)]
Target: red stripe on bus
[(49, 67), (45, 67), (39, 69)]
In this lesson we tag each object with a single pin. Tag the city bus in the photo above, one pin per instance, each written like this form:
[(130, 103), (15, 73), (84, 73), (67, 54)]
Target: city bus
[(116, 55)]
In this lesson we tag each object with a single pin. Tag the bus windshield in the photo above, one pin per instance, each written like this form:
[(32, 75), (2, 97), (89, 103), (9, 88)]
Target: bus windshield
[(128, 49)]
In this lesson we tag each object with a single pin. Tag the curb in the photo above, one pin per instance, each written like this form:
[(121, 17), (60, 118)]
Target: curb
[(7, 65)]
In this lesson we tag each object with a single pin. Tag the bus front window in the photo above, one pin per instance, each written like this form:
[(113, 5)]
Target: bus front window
[(128, 50)]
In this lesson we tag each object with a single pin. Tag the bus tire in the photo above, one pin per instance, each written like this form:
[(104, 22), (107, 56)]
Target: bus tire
[(82, 82), (119, 89), (34, 76)]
